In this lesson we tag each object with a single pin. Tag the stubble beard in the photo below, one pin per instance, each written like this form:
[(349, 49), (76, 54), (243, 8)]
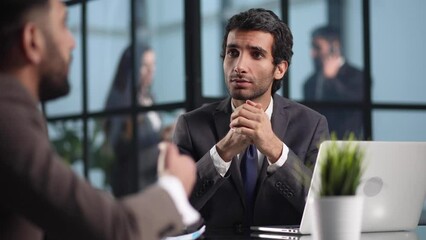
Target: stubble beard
[(239, 95), (246, 94), (53, 75)]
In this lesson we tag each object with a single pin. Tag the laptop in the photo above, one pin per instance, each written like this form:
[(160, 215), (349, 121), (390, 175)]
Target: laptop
[(393, 186)]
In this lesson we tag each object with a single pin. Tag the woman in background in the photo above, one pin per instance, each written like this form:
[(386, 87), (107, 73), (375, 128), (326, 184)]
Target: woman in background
[(119, 127)]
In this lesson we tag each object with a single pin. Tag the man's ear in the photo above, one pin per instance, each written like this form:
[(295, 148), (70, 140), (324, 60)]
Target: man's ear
[(280, 70), (32, 43)]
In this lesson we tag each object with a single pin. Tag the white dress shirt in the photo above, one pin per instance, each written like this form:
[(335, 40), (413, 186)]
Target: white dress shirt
[(175, 189)]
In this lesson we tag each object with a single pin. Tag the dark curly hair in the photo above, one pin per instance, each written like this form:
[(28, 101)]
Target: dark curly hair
[(260, 19)]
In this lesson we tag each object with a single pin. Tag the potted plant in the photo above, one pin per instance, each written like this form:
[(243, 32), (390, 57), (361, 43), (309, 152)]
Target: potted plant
[(337, 208)]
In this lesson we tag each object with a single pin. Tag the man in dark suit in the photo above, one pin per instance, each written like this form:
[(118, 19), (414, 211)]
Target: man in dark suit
[(257, 49), (335, 79), (40, 195)]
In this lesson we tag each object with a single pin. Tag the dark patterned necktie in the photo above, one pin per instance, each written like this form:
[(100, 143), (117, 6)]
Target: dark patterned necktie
[(249, 174)]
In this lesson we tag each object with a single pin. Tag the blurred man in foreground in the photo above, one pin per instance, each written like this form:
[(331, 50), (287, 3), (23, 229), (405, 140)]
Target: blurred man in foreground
[(40, 195)]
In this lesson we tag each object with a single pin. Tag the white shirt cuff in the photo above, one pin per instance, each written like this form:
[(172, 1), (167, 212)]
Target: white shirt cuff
[(175, 189), (220, 165), (280, 162)]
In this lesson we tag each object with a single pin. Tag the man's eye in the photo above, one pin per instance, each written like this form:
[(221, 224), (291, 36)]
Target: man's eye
[(257, 55), (232, 53)]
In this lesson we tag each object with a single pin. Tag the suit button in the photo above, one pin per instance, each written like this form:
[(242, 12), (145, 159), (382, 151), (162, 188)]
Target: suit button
[(278, 184)]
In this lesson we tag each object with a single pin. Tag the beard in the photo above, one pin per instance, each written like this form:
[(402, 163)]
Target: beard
[(53, 85), (240, 95), (248, 94), (53, 74)]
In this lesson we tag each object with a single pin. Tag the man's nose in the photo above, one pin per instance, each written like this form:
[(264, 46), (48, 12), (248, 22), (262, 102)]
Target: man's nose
[(240, 65)]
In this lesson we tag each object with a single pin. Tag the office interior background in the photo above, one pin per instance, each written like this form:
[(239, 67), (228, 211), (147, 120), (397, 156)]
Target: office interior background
[(384, 38)]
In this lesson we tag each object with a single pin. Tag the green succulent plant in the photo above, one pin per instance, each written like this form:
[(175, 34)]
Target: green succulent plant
[(342, 168)]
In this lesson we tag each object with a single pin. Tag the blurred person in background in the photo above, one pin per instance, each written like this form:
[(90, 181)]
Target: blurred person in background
[(334, 79), (119, 128)]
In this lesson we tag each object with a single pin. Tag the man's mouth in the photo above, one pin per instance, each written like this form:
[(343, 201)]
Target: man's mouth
[(240, 82)]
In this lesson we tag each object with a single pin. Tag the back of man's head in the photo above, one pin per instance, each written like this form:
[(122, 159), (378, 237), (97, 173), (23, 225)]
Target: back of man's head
[(13, 15)]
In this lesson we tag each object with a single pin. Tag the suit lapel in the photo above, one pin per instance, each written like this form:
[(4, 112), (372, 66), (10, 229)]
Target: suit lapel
[(280, 118), (222, 118), (237, 179)]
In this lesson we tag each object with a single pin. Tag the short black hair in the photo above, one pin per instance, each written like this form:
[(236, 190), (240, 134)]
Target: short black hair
[(12, 19), (260, 19), (329, 33)]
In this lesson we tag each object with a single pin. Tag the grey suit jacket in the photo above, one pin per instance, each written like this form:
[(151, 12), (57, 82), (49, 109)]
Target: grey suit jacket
[(41, 196), (280, 196)]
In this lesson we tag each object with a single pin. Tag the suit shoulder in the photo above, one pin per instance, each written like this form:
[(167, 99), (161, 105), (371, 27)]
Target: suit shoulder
[(351, 70), (299, 108), (203, 111), (307, 109)]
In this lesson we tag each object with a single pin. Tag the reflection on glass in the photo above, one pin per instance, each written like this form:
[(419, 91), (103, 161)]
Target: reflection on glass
[(334, 78), (120, 94), (117, 131), (153, 127), (160, 24), (303, 17), (211, 40), (394, 125), (108, 33), (119, 128), (398, 51), (343, 121), (327, 55)]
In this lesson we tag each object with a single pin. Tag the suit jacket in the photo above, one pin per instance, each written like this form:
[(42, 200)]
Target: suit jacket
[(280, 196), (41, 196), (347, 86)]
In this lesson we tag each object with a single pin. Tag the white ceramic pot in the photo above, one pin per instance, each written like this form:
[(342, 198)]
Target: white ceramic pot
[(337, 218)]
